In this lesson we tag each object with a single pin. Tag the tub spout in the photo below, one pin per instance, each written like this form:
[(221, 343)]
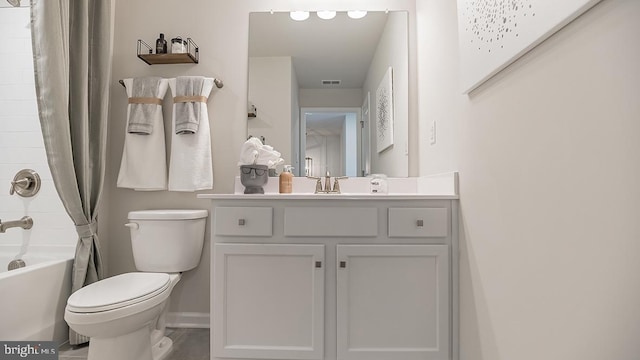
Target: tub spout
[(26, 223)]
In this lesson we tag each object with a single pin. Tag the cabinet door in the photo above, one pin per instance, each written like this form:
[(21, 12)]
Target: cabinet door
[(268, 301), (393, 302)]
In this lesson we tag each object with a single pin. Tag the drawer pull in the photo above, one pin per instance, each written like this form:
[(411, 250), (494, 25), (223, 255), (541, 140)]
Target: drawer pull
[(420, 223), (241, 222)]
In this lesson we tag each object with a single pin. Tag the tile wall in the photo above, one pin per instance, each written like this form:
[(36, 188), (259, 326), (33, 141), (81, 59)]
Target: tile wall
[(21, 144)]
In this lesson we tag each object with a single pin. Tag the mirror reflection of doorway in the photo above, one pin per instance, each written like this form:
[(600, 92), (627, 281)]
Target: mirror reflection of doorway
[(330, 141)]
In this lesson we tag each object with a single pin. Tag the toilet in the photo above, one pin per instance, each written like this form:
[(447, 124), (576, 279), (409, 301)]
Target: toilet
[(124, 315)]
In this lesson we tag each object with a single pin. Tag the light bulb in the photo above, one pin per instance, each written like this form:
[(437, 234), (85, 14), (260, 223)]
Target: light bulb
[(357, 14), (326, 14), (299, 15)]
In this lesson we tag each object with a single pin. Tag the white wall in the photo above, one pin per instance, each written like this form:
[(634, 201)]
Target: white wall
[(548, 155), (330, 98), (391, 52), (270, 90), (21, 143), (228, 129)]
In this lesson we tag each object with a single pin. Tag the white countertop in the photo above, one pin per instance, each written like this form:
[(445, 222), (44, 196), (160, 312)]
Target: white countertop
[(326, 197), (442, 187)]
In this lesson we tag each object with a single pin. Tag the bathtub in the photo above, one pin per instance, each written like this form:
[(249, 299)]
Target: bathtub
[(33, 298)]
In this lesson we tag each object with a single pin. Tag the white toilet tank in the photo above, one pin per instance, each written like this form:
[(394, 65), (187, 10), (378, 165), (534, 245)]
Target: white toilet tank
[(167, 240)]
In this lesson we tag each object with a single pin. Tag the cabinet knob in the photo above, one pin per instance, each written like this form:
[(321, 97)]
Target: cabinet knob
[(318, 264), (420, 223), (343, 264), (241, 222)]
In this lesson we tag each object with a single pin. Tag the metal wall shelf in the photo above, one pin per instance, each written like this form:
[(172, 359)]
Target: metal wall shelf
[(192, 56)]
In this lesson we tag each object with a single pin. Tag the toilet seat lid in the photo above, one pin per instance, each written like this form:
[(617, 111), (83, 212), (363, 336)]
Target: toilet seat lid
[(118, 291)]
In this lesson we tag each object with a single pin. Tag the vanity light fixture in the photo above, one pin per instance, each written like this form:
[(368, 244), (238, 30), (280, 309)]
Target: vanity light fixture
[(326, 14), (357, 14), (299, 15)]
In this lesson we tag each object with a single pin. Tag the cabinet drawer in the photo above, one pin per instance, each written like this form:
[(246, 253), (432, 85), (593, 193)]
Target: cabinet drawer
[(418, 222), (330, 221), (243, 221)]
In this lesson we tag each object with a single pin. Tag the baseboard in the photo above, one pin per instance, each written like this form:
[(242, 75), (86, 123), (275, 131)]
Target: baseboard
[(188, 320)]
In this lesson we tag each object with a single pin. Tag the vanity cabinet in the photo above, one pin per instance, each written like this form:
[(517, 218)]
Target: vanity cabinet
[(270, 301), (315, 277), (392, 302)]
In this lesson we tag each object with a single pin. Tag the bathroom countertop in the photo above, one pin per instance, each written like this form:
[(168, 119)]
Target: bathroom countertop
[(434, 187), (311, 196)]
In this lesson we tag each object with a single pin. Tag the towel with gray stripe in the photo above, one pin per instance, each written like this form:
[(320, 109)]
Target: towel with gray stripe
[(145, 103), (187, 104)]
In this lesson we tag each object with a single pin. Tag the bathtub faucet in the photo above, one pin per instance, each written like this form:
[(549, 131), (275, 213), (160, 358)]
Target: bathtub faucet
[(26, 223)]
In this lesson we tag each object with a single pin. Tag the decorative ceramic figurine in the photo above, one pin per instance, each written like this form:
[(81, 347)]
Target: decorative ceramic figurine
[(253, 177)]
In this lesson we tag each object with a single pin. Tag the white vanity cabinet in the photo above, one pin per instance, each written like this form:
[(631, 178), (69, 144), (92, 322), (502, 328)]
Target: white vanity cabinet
[(333, 277), (269, 301), (392, 302)]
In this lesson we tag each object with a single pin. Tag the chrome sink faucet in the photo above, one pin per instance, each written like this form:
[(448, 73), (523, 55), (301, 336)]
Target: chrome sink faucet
[(26, 222), (327, 184)]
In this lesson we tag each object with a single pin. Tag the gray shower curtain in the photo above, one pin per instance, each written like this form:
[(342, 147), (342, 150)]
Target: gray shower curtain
[(72, 50)]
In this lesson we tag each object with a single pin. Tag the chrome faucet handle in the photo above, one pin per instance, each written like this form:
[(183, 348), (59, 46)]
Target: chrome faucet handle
[(318, 183), (336, 183), (22, 183), (26, 183)]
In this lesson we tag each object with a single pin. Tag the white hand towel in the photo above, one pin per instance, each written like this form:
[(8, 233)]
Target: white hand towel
[(190, 167), (269, 157), (253, 152), (144, 165), (249, 151)]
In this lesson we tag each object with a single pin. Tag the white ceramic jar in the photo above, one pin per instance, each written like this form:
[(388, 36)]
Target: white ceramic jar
[(178, 46)]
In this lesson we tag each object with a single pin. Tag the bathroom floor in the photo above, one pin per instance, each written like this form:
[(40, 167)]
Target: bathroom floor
[(188, 344)]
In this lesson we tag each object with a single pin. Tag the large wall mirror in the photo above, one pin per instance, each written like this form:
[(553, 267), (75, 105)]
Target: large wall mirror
[(319, 90)]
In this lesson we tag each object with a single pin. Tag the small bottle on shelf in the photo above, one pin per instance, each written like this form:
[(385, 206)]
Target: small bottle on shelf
[(161, 45)]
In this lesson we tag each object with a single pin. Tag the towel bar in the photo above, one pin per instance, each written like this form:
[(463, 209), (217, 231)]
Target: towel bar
[(219, 83)]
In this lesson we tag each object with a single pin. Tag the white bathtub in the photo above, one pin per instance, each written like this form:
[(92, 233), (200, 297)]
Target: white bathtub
[(33, 298)]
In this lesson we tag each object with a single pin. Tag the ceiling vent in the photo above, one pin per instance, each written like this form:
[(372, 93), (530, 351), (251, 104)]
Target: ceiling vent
[(331, 82)]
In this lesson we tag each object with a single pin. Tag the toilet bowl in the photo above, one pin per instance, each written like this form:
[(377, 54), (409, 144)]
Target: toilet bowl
[(124, 315)]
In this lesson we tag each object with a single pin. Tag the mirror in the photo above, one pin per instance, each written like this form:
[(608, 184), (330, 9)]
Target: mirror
[(314, 91)]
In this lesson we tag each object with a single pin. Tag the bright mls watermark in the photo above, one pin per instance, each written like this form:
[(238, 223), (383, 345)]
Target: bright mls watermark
[(28, 350)]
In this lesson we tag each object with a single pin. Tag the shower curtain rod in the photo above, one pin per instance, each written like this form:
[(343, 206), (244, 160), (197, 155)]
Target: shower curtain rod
[(219, 83)]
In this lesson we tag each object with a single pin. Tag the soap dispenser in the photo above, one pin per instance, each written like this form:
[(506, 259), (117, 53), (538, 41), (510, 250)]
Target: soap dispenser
[(286, 180)]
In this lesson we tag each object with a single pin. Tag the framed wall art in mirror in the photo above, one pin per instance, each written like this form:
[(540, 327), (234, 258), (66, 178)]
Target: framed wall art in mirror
[(384, 112)]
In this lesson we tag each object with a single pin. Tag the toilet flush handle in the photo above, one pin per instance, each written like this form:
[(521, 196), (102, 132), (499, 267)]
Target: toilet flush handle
[(132, 225)]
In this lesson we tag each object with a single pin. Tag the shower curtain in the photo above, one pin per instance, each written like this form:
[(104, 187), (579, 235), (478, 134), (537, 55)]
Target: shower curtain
[(72, 50)]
